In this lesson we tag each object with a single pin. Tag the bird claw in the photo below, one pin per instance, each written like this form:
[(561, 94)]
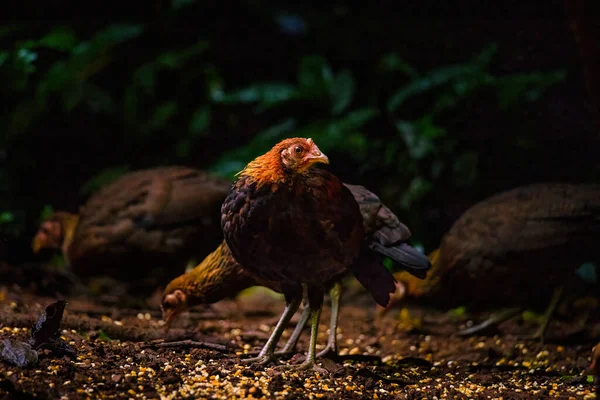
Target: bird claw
[(285, 353), (328, 352), (263, 359), (305, 366)]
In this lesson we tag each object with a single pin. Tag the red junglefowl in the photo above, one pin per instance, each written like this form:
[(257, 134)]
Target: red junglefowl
[(517, 249), (299, 228), (156, 219), (220, 276)]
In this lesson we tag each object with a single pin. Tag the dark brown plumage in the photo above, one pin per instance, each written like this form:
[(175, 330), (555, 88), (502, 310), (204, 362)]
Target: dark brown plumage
[(219, 276), (146, 221), (513, 248), (300, 228)]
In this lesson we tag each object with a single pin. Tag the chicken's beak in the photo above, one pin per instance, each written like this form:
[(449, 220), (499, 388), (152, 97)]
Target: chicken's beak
[(316, 156)]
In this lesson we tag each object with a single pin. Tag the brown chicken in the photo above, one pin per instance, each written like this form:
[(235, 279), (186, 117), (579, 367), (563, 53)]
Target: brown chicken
[(516, 248), (299, 228), (147, 223), (220, 276)]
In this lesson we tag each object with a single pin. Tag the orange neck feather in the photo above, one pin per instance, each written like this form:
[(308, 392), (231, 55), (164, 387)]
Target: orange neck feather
[(218, 276), (265, 169)]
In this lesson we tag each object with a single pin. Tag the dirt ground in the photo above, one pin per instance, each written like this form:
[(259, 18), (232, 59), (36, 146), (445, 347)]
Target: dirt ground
[(120, 355)]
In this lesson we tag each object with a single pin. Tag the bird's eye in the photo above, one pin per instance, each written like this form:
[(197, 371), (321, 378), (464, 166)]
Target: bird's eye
[(298, 149)]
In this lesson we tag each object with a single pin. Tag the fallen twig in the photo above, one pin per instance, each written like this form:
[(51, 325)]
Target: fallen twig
[(192, 343)]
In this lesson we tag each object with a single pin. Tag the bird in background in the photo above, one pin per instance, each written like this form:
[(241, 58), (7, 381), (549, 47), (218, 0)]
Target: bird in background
[(219, 276), (147, 218), (518, 249), (297, 227)]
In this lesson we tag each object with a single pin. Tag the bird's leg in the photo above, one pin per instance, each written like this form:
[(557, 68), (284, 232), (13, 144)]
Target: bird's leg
[(309, 363), (491, 321), (556, 296), (331, 350), (290, 346), (267, 353)]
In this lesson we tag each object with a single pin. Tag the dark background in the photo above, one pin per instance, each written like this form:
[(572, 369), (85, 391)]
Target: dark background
[(433, 107)]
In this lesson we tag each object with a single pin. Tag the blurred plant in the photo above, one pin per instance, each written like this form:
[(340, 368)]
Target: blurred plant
[(424, 149), (331, 122), (432, 149)]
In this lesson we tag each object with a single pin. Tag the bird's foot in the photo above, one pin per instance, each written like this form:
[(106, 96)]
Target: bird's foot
[(285, 353), (538, 335), (328, 352), (307, 365), (261, 359)]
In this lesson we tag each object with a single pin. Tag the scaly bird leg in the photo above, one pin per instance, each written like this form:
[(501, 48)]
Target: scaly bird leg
[(290, 346), (491, 321), (331, 350), (556, 296), (267, 353), (309, 363)]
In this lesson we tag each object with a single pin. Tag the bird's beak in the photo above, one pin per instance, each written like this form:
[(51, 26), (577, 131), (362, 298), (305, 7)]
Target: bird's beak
[(316, 156)]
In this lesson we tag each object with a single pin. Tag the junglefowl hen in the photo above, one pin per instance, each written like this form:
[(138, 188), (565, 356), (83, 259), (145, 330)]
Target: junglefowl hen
[(299, 228), (157, 219), (220, 276), (516, 248)]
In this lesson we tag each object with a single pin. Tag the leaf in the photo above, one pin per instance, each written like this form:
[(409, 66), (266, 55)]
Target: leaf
[(418, 188), (200, 121), (145, 77), (315, 73), (6, 217), (433, 79), (18, 353), (60, 38), (118, 33), (392, 62), (341, 91), (176, 59), (590, 379), (162, 114), (46, 329), (355, 120), (267, 94), (46, 212), (102, 178)]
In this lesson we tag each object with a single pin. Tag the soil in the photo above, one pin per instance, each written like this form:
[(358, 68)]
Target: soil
[(120, 354)]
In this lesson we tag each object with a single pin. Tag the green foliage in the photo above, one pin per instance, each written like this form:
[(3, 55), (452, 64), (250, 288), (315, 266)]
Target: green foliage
[(163, 96), (46, 212), (458, 312)]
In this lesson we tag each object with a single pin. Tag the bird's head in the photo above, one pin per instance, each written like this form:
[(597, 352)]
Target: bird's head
[(54, 230), (174, 302), (288, 157), (299, 154)]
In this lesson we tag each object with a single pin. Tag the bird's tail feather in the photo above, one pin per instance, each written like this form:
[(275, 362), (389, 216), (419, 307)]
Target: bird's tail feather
[(411, 259), (376, 279)]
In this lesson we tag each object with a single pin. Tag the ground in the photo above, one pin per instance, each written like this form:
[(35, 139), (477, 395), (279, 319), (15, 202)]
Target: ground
[(120, 355)]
